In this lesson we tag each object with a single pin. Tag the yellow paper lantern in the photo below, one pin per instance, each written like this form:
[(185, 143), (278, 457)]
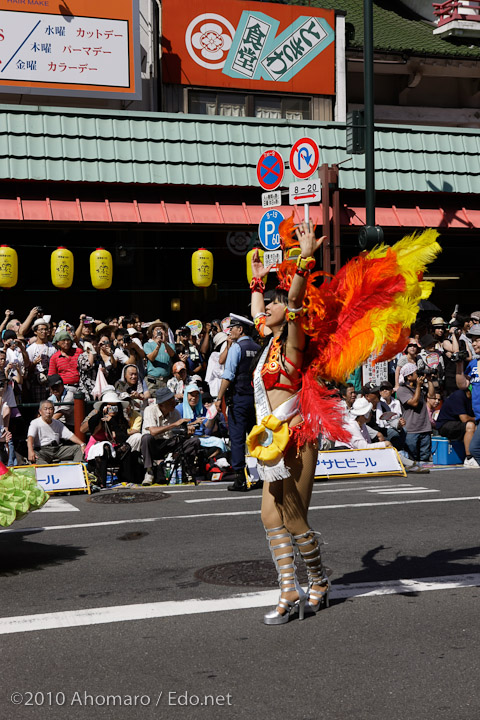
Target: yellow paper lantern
[(249, 263), (101, 269), (8, 267), (202, 268), (61, 266)]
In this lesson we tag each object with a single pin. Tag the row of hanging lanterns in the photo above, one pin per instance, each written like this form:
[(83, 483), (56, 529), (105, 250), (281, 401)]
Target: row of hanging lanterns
[(101, 267), (61, 266)]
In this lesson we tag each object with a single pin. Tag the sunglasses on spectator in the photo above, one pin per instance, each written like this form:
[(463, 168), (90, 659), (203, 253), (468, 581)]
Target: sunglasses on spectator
[(104, 343), (412, 345)]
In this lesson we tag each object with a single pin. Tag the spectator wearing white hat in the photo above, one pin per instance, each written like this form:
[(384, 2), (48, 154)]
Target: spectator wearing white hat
[(418, 427), (356, 423)]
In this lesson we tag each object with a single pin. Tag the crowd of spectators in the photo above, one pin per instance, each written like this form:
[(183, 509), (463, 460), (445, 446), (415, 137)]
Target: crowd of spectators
[(433, 389), (151, 391)]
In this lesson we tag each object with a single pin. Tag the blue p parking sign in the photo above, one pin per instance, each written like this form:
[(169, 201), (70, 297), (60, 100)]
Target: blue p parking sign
[(268, 229)]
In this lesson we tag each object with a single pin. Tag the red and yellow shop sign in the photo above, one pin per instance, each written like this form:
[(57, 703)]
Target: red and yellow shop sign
[(80, 47), (257, 46)]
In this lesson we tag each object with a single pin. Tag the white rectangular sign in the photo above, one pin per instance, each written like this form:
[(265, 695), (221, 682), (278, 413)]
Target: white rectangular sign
[(272, 257), (271, 199), (347, 463), (305, 191), (67, 476), (53, 49), (374, 373)]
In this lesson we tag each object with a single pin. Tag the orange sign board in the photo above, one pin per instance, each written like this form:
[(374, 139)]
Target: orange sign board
[(251, 45), (79, 47)]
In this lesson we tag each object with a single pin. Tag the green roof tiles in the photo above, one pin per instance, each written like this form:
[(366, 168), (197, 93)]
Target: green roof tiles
[(60, 145), (396, 29)]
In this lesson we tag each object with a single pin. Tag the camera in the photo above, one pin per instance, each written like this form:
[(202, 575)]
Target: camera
[(181, 431), (460, 355), (39, 310)]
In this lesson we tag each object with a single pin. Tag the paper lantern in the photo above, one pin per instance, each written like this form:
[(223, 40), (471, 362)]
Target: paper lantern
[(8, 267), (61, 266), (101, 269), (249, 263), (202, 268)]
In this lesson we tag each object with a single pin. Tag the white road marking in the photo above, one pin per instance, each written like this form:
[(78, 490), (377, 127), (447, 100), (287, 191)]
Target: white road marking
[(246, 496), (56, 504), (222, 486), (404, 491), (193, 516), (149, 611)]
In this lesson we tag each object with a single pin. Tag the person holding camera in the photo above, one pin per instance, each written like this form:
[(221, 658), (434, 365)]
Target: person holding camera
[(39, 353), (162, 432), (22, 328), (418, 428), (109, 434), (455, 349), (160, 354)]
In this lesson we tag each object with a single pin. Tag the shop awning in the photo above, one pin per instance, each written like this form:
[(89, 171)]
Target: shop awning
[(186, 213)]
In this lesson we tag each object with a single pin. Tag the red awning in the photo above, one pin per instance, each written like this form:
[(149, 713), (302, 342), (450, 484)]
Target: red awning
[(186, 213)]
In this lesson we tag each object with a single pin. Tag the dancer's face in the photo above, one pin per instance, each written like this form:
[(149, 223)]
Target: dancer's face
[(275, 312)]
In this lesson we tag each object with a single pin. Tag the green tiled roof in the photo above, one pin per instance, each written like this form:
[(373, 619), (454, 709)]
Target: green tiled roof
[(60, 145), (394, 30)]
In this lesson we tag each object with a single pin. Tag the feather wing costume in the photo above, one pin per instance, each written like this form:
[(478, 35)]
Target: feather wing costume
[(367, 308)]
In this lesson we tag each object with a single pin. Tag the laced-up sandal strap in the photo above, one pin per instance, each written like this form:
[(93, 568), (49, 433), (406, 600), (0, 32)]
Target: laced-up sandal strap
[(282, 547), (315, 569)]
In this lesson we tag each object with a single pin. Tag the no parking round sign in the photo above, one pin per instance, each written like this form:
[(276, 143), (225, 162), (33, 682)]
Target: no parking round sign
[(270, 169)]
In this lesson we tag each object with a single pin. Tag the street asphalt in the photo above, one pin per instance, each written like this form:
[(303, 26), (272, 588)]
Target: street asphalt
[(104, 616)]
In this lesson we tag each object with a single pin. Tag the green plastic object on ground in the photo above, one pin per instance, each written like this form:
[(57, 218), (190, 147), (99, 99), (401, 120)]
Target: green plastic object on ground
[(19, 493)]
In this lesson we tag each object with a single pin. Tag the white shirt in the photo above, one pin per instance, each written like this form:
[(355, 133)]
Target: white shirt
[(358, 440), (121, 356), (15, 356), (153, 417), (45, 434), (45, 351), (214, 373)]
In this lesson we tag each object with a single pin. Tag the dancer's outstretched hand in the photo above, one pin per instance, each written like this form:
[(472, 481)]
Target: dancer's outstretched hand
[(258, 268), (309, 244)]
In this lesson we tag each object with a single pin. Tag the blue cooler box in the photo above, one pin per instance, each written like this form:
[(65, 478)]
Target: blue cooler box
[(446, 453)]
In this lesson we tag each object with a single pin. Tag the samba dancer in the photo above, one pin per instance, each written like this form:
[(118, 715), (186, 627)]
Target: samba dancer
[(287, 472)]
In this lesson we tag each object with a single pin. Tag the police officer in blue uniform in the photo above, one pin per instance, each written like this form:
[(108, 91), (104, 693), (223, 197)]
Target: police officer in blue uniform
[(237, 387)]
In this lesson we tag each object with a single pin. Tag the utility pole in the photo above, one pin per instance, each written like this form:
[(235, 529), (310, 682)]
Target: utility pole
[(370, 234)]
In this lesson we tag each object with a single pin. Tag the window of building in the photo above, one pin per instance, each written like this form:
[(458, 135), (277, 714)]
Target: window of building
[(270, 107), (212, 103), (291, 108)]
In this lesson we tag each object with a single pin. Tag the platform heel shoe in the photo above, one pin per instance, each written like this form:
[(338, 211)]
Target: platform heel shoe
[(316, 599), (287, 578)]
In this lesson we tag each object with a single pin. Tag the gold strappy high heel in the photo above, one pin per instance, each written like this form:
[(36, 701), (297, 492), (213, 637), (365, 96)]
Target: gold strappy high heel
[(315, 570), (287, 578)]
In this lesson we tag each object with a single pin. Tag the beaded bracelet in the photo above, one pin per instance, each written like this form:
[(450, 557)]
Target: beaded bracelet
[(257, 285)]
